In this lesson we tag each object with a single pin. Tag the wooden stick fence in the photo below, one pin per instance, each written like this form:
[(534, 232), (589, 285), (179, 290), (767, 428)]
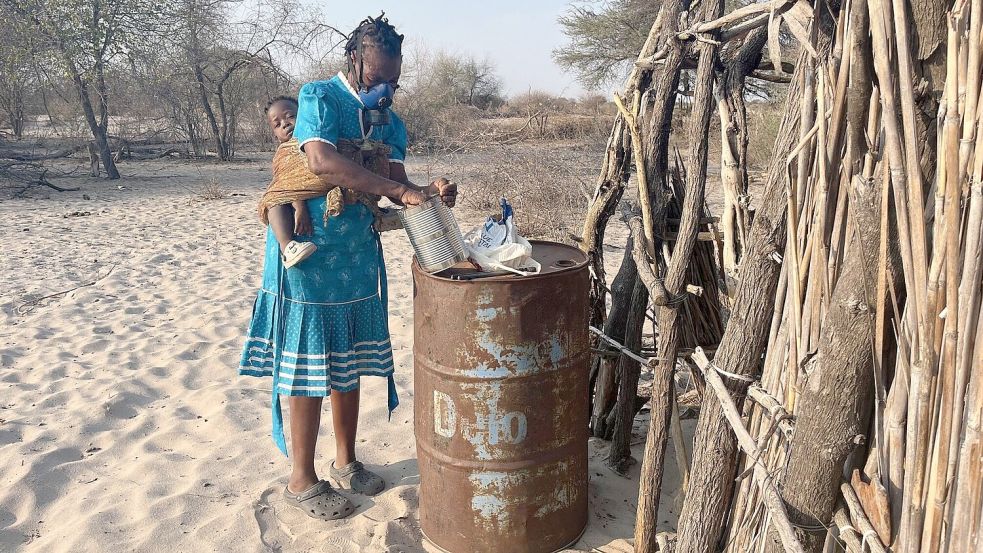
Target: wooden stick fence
[(859, 282)]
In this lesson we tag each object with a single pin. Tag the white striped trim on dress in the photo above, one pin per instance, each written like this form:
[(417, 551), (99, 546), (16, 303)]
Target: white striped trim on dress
[(333, 365), (298, 382), (368, 371), (268, 354), (271, 292), (254, 371), (323, 356), (356, 344), (347, 375), (368, 364), (315, 139), (343, 388)]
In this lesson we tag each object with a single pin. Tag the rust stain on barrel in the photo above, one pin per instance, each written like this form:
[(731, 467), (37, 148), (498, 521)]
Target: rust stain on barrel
[(500, 378)]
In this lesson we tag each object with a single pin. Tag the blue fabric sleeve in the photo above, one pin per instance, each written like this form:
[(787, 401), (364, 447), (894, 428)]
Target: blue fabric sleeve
[(318, 115), (396, 139)]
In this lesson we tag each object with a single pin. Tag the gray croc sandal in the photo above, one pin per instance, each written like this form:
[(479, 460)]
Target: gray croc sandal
[(320, 501), (357, 478)]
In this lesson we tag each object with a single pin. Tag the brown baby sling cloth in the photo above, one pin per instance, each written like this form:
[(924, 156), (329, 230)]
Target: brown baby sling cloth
[(293, 181)]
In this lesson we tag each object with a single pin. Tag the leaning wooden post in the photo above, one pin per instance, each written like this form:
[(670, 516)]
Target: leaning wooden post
[(729, 94), (615, 170), (610, 187), (669, 316), (628, 372), (615, 326)]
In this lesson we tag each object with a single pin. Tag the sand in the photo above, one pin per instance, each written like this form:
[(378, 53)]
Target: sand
[(123, 423)]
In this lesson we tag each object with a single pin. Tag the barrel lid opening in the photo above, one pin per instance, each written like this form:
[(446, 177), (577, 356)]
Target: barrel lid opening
[(553, 256)]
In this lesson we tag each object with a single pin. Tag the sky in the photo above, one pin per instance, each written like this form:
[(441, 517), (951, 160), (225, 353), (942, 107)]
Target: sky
[(518, 36)]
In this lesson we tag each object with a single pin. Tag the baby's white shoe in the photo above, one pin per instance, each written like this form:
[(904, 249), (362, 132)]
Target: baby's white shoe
[(295, 252)]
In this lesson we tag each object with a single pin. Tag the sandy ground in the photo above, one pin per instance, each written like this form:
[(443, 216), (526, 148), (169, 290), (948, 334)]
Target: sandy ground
[(123, 424)]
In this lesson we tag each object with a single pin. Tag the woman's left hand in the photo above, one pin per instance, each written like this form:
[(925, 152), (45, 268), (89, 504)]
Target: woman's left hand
[(447, 190)]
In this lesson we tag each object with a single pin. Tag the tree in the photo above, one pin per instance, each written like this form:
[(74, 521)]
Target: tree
[(604, 38), (82, 39), (17, 79), (442, 94), (461, 80), (219, 53)]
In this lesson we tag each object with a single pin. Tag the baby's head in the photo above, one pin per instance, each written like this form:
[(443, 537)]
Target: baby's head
[(281, 113)]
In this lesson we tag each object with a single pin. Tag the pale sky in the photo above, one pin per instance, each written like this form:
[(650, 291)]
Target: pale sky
[(517, 35)]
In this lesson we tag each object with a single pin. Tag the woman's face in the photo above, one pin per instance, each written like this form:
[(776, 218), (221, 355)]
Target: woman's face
[(377, 68), (282, 116)]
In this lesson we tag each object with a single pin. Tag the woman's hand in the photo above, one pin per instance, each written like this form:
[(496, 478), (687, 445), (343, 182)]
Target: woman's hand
[(302, 220), (410, 196), (447, 190)]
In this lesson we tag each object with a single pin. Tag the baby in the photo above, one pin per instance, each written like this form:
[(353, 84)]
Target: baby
[(283, 206)]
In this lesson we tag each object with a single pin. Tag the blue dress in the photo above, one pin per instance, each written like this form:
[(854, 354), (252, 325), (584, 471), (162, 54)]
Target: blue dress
[(323, 324)]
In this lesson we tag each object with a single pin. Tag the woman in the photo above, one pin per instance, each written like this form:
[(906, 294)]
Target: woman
[(322, 325)]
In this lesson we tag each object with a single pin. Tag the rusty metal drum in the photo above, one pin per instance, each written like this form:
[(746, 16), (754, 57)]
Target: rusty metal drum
[(500, 376)]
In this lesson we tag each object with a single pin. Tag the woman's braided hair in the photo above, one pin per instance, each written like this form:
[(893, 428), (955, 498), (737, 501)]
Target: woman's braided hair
[(373, 32)]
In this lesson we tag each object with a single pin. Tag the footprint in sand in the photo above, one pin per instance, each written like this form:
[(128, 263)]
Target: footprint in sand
[(269, 526), (125, 405), (398, 536)]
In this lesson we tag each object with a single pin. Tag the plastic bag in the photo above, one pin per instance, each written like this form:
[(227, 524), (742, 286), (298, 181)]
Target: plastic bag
[(497, 245)]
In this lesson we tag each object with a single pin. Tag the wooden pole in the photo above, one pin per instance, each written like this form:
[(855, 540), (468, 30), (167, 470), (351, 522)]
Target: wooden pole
[(650, 486), (619, 453), (661, 82)]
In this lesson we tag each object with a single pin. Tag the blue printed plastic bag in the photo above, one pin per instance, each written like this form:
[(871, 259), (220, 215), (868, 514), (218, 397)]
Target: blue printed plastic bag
[(497, 245)]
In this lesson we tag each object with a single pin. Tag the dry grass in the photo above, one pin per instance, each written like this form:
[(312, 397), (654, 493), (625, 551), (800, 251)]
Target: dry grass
[(547, 184)]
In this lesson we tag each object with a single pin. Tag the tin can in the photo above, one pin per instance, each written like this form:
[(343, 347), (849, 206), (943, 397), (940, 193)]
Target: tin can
[(434, 234)]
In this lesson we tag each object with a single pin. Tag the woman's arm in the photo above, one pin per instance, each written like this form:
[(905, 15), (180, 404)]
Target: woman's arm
[(325, 161), (397, 172)]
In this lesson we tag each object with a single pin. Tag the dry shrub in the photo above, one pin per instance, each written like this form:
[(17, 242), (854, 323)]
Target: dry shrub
[(213, 190), (437, 126), (579, 127), (548, 186), (442, 128)]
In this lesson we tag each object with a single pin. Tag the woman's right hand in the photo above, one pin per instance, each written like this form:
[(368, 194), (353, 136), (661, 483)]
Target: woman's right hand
[(411, 197)]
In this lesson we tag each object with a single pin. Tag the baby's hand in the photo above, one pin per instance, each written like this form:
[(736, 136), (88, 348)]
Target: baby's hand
[(302, 220)]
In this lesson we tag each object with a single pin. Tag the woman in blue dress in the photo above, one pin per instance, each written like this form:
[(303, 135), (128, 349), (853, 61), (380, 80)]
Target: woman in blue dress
[(320, 326)]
